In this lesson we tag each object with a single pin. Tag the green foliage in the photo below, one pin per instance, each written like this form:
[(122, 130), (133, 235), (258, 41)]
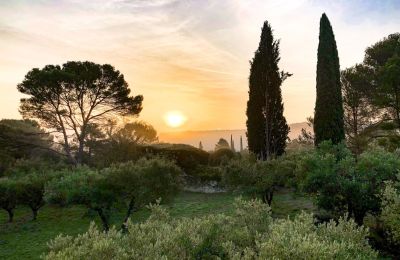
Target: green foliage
[(221, 155), (260, 177), (22, 139), (133, 183), (267, 130), (328, 118), (8, 196), (250, 233), (340, 184), (390, 214), (358, 111), (31, 188), (73, 96), (207, 173)]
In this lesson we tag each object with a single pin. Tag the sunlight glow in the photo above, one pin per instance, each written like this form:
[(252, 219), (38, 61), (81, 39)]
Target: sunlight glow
[(175, 119)]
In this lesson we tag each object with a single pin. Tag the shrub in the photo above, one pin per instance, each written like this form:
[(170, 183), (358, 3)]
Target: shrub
[(221, 155), (341, 184), (250, 233), (390, 214), (207, 173)]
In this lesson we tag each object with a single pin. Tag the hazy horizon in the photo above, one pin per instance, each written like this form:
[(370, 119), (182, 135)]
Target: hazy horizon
[(186, 56)]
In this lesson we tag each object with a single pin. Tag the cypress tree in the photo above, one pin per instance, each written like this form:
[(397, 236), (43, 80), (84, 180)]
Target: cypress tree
[(241, 144), (328, 118), (232, 144), (267, 130)]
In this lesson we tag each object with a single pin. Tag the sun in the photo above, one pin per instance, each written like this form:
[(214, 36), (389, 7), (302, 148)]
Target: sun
[(175, 119)]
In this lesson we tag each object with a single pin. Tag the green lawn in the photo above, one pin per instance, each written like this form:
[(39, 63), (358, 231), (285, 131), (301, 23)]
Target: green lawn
[(26, 239)]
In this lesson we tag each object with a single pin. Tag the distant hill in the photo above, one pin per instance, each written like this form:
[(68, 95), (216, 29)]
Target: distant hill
[(210, 137)]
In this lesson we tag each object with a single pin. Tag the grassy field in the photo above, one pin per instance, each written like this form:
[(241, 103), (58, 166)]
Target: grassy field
[(26, 239)]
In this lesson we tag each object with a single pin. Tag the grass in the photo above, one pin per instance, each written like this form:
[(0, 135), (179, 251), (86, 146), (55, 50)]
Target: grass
[(26, 239)]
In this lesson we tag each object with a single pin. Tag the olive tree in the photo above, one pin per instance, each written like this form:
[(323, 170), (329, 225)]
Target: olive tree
[(133, 184), (8, 196)]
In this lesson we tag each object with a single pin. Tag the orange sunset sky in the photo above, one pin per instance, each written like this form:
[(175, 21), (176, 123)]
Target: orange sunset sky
[(187, 56)]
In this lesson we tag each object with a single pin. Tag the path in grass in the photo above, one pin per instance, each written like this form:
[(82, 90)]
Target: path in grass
[(26, 239)]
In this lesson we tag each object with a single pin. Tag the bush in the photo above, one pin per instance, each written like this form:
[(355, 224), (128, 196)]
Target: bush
[(250, 233), (340, 184), (221, 155), (390, 214), (207, 173)]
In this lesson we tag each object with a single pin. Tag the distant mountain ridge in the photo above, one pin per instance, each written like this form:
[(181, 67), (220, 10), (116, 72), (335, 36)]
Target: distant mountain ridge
[(210, 137)]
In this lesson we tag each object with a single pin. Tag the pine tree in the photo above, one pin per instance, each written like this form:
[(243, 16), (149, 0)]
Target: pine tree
[(200, 146), (241, 144), (267, 130), (328, 118), (232, 144)]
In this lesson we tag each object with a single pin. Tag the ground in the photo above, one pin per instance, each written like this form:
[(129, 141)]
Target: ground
[(26, 239)]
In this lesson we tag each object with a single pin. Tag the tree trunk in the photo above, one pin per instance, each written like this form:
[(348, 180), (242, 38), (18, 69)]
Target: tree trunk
[(268, 196), (10, 215), (128, 214), (103, 218), (359, 217), (35, 212)]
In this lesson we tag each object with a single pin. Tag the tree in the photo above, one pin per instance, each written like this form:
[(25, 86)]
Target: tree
[(31, 188), (241, 144), (232, 144), (342, 185), (260, 178), (200, 146), (358, 112), (222, 144), (133, 184), (328, 117), (136, 133), (23, 139), (144, 182), (267, 130), (388, 88), (8, 196), (306, 136), (70, 98)]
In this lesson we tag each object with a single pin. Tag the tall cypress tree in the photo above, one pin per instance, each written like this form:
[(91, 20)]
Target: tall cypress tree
[(267, 130), (328, 118)]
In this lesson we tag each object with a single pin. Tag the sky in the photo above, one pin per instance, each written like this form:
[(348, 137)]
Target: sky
[(190, 56)]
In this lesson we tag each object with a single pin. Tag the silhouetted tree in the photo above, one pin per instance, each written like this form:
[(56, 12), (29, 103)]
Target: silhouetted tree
[(200, 146), (267, 130), (232, 144), (241, 144), (328, 118), (70, 98), (222, 144)]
